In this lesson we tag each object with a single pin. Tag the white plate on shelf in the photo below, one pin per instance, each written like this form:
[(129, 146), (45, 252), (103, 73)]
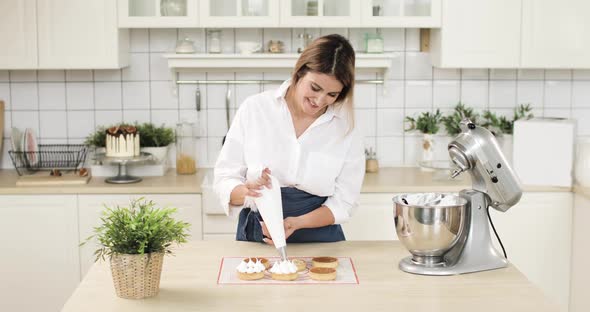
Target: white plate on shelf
[(31, 147)]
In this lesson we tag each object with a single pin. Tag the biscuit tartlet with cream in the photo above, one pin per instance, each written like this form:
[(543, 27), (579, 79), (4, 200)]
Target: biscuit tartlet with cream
[(250, 270), (264, 261), (284, 271)]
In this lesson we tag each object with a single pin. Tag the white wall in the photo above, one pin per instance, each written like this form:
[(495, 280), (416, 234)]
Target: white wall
[(65, 106)]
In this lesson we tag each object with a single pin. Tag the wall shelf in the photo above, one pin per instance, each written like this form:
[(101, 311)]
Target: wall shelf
[(264, 61)]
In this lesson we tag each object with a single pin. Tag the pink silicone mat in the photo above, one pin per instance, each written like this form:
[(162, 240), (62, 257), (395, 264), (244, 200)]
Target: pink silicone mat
[(345, 273)]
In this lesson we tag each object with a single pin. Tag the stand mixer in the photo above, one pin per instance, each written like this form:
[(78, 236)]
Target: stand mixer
[(455, 239)]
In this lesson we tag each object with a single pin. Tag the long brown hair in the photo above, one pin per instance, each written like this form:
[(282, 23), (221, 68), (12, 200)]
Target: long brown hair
[(331, 55)]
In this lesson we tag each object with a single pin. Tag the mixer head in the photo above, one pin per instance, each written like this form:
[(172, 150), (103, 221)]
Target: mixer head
[(476, 150)]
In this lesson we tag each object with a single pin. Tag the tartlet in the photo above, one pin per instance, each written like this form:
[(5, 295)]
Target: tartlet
[(249, 270), (300, 264), (284, 271), (322, 274), (324, 262)]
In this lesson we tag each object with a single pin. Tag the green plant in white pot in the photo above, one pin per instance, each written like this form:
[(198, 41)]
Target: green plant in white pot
[(428, 124), (155, 140), (135, 239)]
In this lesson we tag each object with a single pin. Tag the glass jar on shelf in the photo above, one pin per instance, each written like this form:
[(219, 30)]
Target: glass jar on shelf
[(214, 41), (185, 148), (173, 7), (374, 43)]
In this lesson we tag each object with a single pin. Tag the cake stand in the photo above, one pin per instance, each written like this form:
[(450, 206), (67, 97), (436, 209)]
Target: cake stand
[(122, 176)]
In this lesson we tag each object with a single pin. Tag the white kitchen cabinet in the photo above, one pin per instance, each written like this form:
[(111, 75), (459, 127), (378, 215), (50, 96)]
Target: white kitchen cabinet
[(91, 206), (18, 34), (401, 13), (478, 34), (39, 266), (158, 13), (75, 34), (320, 13), (373, 219), (580, 272), (537, 236), (239, 13), (555, 34)]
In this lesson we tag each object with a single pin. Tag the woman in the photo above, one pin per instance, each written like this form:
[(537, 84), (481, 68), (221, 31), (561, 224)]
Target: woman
[(302, 133)]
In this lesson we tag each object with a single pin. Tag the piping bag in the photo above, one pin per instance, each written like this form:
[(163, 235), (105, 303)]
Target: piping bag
[(270, 207)]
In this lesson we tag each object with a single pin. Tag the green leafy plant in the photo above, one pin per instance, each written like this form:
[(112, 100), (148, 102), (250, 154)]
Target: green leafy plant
[(427, 122), (152, 136), (97, 138), (138, 229), (452, 121), (502, 125)]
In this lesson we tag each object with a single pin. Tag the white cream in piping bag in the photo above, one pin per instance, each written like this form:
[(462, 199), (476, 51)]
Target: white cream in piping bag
[(270, 208)]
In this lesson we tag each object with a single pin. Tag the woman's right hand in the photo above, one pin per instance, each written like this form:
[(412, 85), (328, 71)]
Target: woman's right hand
[(250, 188)]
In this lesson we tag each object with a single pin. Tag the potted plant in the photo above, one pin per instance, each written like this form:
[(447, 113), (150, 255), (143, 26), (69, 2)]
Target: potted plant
[(428, 124), (135, 239), (452, 121), (155, 140)]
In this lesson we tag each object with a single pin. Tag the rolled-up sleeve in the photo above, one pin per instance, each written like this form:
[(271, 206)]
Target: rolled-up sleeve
[(348, 183), (230, 167)]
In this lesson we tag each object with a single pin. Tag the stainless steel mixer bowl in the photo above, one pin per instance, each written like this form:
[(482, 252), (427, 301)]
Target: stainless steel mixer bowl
[(428, 232)]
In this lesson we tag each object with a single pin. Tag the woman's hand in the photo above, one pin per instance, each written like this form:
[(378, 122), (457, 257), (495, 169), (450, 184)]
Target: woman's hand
[(250, 188), (291, 224)]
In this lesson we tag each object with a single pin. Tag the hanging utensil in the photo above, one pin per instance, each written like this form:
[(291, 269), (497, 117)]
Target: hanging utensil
[(227, 101)]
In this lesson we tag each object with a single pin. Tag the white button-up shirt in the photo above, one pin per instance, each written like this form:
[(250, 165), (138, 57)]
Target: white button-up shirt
[(326, 160)]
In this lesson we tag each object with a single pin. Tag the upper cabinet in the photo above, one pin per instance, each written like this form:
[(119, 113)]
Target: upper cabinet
[(18, 34), (401, 13), (75, 34), (512, 34), (555, 34), (158, 13), (279, 13), (320, 13), (61, 34), (239, 13), (480, 34)]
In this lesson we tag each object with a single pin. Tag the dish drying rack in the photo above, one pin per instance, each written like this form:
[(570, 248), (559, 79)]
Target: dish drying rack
[(49, 157)]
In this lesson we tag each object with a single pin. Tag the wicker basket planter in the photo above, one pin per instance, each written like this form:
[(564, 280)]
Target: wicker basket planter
[(137, 276)]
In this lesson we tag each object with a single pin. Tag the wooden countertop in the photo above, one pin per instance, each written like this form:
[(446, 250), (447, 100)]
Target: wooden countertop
[(189, 283), (387, 180)]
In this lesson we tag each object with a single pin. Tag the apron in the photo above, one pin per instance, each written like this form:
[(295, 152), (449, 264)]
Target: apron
[(295, 203)]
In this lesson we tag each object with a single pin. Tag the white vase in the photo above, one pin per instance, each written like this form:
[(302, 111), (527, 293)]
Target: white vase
[(427, 147), (159, 153)]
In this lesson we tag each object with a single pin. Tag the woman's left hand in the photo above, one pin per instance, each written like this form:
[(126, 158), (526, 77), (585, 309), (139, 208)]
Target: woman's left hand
[(290, 224)]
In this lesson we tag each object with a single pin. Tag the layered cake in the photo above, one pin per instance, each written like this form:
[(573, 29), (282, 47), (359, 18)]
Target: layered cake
[(250, 270), (264, 261), (122, 141), (284, 271), (322, 274), (324, 262)]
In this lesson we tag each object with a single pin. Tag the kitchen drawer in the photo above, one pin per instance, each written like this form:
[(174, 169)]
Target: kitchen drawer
[(221, 224)]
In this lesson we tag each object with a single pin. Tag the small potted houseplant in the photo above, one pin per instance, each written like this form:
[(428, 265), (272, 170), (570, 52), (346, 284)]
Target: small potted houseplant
[(428, 124), (135, 239), (451, 122), (155, 140)]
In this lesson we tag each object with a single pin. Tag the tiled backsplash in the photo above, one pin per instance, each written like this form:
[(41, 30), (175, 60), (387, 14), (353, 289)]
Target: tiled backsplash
[(65, 106)]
